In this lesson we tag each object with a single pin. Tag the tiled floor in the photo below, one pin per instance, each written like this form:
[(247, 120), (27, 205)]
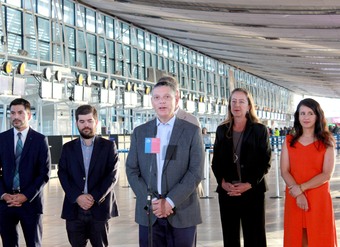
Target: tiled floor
[(124, 231)]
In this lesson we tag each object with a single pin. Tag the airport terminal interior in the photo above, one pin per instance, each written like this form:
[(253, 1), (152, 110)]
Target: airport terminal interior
[(60, 54)]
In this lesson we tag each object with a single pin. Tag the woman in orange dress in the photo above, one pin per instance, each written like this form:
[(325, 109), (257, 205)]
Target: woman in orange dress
[(307, 164)]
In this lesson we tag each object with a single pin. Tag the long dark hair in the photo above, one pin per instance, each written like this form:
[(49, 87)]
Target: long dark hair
[(321, 131), (250, 115)]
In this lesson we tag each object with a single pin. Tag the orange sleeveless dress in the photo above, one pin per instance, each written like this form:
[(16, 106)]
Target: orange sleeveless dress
[(305, 163)]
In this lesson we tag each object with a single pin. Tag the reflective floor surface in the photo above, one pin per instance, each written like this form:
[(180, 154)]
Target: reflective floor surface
[(124, 231)]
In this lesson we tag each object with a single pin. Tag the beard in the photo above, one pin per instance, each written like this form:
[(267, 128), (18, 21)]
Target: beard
[(86, 134), (16, 123)]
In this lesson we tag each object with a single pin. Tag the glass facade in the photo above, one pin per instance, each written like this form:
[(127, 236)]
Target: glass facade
[(68, 34)]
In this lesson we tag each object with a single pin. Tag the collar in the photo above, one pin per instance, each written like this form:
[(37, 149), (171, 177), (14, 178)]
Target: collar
[(83, 141), (171, 122), (23, 132)]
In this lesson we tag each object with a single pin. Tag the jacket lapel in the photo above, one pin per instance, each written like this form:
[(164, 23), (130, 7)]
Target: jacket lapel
[(28, 144), (79, 154)]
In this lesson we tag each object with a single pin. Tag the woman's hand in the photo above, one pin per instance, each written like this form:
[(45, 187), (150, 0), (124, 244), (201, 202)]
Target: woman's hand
[(295, 190), (235, 189), (301, 202)]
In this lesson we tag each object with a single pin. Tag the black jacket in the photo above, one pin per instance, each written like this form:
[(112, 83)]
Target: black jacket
[(255, 156)]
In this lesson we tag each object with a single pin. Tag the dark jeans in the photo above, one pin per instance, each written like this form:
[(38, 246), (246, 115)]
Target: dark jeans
[(86, 228)]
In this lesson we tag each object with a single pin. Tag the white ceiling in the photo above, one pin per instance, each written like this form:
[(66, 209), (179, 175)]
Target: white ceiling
[(292, 43)]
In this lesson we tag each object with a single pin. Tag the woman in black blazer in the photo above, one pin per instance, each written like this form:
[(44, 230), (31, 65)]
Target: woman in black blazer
[(242, 155)]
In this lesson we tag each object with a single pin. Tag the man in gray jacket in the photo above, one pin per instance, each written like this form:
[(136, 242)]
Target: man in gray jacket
[(171, 175)]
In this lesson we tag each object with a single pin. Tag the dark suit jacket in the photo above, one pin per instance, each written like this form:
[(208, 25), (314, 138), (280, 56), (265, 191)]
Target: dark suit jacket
[(182, 172), (102, 176), (254, 159), (34, 168)]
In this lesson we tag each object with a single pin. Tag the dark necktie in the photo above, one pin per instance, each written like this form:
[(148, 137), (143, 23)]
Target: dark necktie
[(18, 151)]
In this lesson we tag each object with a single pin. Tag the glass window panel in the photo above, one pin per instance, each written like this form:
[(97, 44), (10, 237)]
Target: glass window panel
[(120, 51), (171, 50), (141, 58), (153, 43), (102, 64), (100, 23), (44, 50), (119, 67), (154, 60), (57, 10), (16, 3), (14, 21), (111, 67), (127, 54), (72, 57), (142, 74), (111, 49), (81, 40), (165, 48), (147, 60), (140, 35), (16, 43), (134, 73), (56, 32), (29, 25), (160, 47), (126, 69), (176, 52), (28, 6), (70, 35), (93, 62), (80, 16), (69, 11), (134, 56), (133, 36), (31, 47), (172, 66), (91, 43), (82, 59), (56, 51), (126, 33), (44, 7), (118, 33), (160, 63), (147, 42), (102, 49), (90, 20), (109, 27), (43, 29)]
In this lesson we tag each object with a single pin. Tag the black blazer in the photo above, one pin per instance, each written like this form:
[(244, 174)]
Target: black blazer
[(102, 176), (34, 168), (254, 159)]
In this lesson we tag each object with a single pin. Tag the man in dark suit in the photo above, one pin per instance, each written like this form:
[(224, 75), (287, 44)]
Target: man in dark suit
[(25, 165), (172, 175), (88, 171)]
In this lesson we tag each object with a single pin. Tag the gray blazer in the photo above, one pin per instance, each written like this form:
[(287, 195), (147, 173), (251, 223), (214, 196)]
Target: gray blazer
[(182, 114), (182, 172)]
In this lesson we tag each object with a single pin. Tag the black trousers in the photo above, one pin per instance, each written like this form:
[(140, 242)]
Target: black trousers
[(31, 224), (165, 235), (247, 210), (85, 228)]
